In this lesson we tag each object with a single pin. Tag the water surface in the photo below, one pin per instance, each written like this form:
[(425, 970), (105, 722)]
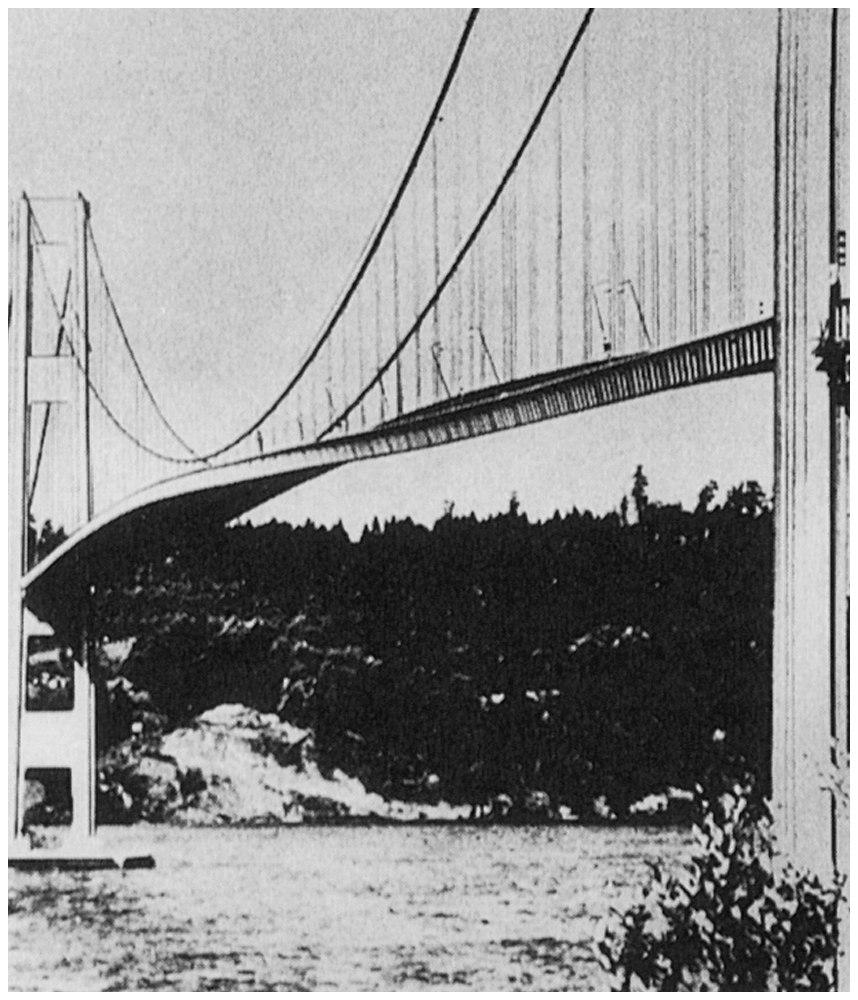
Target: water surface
[(304, 908)]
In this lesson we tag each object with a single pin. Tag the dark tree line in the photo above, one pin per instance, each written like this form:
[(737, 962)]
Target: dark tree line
[(585, 656)]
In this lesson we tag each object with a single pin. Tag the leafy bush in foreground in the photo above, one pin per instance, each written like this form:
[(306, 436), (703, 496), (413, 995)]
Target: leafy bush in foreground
[(734, 919)]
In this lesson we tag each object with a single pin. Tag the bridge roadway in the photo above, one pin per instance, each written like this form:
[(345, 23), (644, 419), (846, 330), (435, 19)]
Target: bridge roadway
[(224, 491)]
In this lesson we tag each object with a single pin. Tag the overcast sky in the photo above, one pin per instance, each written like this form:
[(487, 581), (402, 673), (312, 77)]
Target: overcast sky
[(235, 161)]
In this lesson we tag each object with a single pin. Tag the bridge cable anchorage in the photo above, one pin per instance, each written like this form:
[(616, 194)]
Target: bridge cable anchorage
[(111, 416), (487, 211), (375, 243), (143, 381)]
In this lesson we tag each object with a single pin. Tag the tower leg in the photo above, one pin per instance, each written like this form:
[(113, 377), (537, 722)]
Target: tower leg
[(56, 738), (19, 350), (16, 707), (803, 688), (51, 694)]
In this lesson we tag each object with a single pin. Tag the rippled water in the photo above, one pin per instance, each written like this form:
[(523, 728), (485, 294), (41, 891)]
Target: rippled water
[(385, 908)]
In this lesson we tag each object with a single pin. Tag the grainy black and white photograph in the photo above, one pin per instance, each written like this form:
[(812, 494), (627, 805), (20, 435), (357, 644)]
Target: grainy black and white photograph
[(428, 499)]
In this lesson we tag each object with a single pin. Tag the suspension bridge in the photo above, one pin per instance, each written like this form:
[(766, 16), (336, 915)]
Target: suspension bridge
[(633, 211)]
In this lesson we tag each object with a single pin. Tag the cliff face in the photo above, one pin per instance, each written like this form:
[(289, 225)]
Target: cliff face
[(235, 765)]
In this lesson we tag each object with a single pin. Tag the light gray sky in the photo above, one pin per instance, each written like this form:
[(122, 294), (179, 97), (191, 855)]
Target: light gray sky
[(235, 160)]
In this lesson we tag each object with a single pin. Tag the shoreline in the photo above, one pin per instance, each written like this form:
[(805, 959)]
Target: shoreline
[(649, 823)]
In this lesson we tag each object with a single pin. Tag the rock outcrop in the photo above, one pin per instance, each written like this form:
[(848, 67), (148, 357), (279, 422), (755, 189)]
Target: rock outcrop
[(235, 765)]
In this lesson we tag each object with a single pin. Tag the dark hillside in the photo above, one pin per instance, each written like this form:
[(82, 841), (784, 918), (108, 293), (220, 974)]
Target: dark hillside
[(586, 657)]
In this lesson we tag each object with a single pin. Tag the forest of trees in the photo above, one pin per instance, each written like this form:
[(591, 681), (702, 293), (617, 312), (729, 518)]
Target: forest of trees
[(582, 657)]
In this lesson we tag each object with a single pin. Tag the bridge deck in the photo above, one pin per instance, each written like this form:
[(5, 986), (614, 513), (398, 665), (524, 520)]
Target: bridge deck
[(227, 490)]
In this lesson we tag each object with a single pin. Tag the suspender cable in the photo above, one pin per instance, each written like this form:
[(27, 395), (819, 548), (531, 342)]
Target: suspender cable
[(507, 287), (672, 261), (456, 324), (705, 302), (360, 338), (481, 304), (532, 271), (314, 405), (415, 234), (618, 313), (558, 237), (736, 195), (503, 107), (469, 356), (532, 223), (347, 366), (486, 213), (329, 377), (479, 255), (613, 287), (436, 263), (532, 226), (641, 282), (691, 193), (586, 209), (382, 399), (398, 368), (655, 220), (472, 318), (731, 195), (644, 95), (513, 290), (504, 288)]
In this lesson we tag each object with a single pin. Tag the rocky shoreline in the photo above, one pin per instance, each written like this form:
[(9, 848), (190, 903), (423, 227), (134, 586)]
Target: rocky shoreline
[(235, 766)]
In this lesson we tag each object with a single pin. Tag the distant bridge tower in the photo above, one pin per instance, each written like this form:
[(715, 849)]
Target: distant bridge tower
[(54, 740)]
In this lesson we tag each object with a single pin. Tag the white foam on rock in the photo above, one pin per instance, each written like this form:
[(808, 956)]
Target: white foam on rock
[(245, 784)]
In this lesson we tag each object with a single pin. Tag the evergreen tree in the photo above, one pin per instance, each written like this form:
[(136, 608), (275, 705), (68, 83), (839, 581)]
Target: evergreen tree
[(639, 494)]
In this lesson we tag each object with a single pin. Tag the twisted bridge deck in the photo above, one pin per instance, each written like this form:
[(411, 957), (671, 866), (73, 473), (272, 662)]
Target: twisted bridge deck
[(227, 490)]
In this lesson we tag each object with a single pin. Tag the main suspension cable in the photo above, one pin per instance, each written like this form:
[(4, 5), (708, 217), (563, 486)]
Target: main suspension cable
[(370, 254), (111, 416), (465, 247), (146, 388)]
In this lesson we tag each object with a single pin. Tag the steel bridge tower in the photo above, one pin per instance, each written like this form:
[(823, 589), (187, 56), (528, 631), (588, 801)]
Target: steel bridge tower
[(61, 740), (811, 605)]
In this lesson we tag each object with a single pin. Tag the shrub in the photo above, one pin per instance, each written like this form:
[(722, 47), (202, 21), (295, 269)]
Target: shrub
[(735, 918)]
